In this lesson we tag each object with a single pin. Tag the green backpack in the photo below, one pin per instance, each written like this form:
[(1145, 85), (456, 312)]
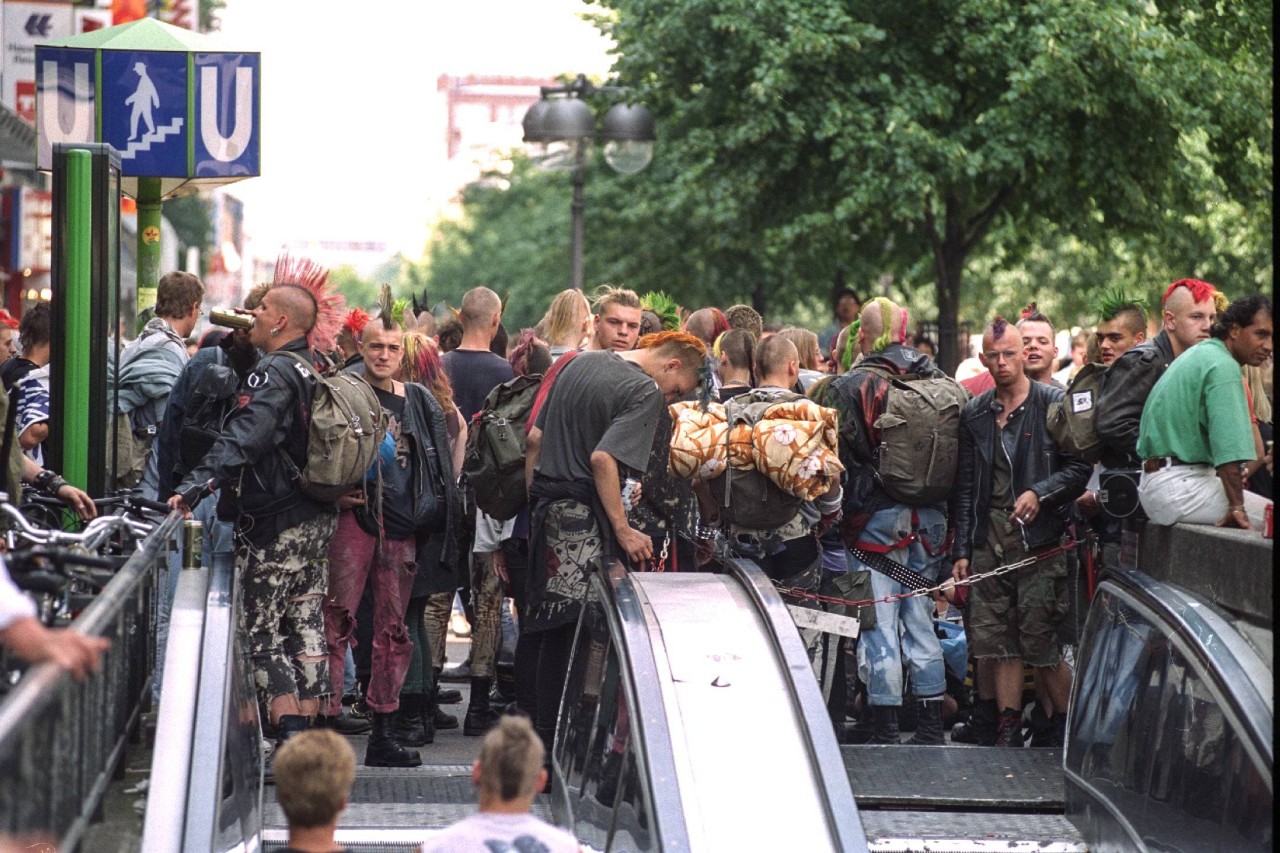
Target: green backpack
[(1072, 420), (494, 461), (347, 427)]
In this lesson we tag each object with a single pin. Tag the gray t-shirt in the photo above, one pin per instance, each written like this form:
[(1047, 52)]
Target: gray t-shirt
[(489, 832), (599, 401)]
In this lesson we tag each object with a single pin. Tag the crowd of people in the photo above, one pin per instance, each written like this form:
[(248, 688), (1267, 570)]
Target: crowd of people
[(952, 479)]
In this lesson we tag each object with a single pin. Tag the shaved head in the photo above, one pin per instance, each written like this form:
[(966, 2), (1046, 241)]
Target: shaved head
[(705, 324), (883, 322), (297, 304), (479, 306), (773, 355)]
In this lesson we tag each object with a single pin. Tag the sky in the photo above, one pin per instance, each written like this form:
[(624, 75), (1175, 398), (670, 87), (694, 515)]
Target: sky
[(352, 124)]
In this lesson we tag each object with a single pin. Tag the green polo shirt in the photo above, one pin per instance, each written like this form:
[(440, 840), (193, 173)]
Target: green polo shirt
[(1197, 412)]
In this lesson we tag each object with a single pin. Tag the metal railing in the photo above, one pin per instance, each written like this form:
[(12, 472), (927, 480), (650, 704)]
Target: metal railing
[(61, 740)]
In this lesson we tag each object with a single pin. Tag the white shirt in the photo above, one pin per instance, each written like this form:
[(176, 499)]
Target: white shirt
[(489, 832), (14, 603)]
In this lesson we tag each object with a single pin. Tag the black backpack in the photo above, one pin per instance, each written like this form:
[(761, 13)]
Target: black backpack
[(494, 462), (212, 401)]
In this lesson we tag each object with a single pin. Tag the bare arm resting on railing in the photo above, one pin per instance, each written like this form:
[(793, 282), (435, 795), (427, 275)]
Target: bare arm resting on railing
[(24, 635)]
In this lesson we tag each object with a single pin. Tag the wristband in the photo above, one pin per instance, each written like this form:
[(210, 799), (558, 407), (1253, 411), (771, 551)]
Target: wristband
[(48, 482)]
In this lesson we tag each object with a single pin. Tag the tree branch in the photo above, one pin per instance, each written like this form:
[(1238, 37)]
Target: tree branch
[(981, 221)]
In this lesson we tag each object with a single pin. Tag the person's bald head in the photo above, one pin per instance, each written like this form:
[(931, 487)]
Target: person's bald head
[(777, 362), (480, 308), (297, 304), (706, 324), (884, 322)]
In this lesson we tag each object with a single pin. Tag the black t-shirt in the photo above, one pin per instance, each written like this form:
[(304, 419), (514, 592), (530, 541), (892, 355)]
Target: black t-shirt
[(473, 374), (397, 502)]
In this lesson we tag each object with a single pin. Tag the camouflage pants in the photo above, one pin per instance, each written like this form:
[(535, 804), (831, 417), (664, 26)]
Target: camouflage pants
[(486, 601), (283, 616)]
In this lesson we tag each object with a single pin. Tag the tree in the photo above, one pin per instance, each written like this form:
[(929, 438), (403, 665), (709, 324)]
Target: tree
[(190, 217), (810, 129)]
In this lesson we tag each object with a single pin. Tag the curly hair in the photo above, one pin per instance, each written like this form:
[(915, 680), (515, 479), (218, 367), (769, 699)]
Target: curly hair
[(421, 363)]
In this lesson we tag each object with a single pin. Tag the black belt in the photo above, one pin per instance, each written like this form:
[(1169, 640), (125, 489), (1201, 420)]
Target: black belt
[(1151, 466)]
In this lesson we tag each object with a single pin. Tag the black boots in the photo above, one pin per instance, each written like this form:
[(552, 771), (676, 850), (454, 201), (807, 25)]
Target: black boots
[(344, 724), (884, 721), (980, 730), (383, 751), (480, 715), (289, 725), (410, 728), (928, 722), (1009, 728), (440, 719)]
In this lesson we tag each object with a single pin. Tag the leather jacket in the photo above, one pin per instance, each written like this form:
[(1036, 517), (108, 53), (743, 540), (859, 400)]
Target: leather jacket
[(247, 461), (1037, 464), (1125, 388)]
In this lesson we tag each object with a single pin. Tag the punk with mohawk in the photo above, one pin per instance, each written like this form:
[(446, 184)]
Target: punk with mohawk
[(329, 306)]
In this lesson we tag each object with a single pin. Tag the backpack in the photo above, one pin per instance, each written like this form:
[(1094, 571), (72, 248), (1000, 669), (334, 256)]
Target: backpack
[(1071, 420), (919, 436), (347, 427), (748, 498), (136, 423), (494, 461), (212, 401)]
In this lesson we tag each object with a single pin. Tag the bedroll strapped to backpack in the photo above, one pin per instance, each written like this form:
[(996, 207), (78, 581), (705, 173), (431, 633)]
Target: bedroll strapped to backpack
[(347, 427), (494, 461), (1072, 420), (748, 498), (919, 436)]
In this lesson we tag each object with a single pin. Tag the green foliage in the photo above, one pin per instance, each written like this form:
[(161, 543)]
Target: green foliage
[(190, 217)]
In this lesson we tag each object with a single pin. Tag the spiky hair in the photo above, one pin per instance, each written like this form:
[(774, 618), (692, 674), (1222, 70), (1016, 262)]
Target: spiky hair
[(1115, 300), (314, 278), (665, 307), (355, 322), (1200, 290), (998, 326)]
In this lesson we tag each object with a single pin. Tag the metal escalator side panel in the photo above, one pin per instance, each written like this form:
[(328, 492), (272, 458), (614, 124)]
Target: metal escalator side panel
[(171, 765), (224, 801), (612, 679), (823, 749), (1170, 725)]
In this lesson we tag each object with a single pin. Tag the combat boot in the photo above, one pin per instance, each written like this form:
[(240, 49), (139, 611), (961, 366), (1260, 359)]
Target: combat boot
[(884, 720), (289, 725), (928, 723), (980, 730), (409, 729), (1009, 728), (383, 751), (480, 716)]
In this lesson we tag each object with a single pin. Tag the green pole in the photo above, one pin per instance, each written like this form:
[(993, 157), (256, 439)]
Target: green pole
[(148, 246), (78, 256)]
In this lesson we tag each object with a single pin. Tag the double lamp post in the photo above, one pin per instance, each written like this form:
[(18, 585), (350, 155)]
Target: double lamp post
[(561, 127)]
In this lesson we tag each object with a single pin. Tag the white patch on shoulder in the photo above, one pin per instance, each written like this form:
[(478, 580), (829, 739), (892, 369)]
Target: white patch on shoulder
[(257, 379)]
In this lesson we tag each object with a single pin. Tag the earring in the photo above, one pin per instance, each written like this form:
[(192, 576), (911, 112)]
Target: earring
[(275, 332)]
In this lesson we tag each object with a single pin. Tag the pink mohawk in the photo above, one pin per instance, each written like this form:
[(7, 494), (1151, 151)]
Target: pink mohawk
[(330, 306)]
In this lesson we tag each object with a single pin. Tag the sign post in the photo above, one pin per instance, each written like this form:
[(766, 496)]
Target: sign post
[(181, 110)]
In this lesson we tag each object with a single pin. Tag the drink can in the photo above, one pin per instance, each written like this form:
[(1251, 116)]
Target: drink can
[(1267, 522), (192, 543), (230, 319), (629, 487)]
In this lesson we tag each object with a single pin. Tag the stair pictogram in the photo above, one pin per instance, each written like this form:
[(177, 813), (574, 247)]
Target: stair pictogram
[(158, 135)]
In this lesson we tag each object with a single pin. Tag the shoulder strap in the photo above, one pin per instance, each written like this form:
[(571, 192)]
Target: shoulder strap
[(305, 362)]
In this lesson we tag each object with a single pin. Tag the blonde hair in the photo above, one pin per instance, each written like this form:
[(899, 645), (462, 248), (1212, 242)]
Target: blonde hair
[(806, 345), (607, 296), (314, 771), (564, 318), (510, 758), (1254, 377)]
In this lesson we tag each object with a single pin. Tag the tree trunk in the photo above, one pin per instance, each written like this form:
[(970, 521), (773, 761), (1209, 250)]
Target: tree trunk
[(757, 296), (950, 264)]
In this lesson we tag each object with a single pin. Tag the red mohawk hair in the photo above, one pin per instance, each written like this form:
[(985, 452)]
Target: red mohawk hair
[(1200, 290), (357, 319), (314, 278)]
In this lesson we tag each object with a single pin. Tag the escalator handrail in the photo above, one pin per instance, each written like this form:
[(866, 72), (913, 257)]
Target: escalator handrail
[(639, 675), (1235, 669)]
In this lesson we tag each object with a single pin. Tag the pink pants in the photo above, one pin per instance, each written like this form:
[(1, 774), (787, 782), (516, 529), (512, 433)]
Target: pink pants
[(355, 557)]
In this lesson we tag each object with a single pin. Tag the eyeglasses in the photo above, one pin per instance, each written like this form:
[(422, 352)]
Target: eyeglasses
[(1005, 355)]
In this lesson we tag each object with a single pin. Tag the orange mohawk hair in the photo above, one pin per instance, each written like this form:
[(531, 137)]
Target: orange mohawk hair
[(314, 278)]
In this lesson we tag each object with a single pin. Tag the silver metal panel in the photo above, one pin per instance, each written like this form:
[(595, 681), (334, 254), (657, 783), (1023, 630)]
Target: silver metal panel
[(722, 689)]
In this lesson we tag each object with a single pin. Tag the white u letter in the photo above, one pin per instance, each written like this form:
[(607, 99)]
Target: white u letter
[(226, 148)]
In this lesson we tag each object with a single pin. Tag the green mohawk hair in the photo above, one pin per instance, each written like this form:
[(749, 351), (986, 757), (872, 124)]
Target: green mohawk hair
[(1112, 302), (665, 307)]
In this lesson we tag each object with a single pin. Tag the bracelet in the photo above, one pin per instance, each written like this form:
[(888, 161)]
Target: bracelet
[(49, 482)]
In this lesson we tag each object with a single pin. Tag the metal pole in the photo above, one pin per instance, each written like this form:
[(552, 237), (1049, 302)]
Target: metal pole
[(575, 244), (79, 290), (148, 245)]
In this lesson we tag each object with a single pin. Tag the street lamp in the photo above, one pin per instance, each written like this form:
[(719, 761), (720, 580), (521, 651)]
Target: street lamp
[(561, 116)]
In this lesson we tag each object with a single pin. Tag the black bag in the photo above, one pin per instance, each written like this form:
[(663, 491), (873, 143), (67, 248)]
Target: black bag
[(494, 461), (212, 402), (1118, 492)]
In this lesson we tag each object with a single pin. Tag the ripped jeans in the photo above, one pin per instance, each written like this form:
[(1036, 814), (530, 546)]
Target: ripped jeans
[(391, 564), (914, 537)]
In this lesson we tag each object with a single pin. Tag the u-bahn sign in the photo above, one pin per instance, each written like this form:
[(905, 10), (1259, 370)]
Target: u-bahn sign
[(173, 110)]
